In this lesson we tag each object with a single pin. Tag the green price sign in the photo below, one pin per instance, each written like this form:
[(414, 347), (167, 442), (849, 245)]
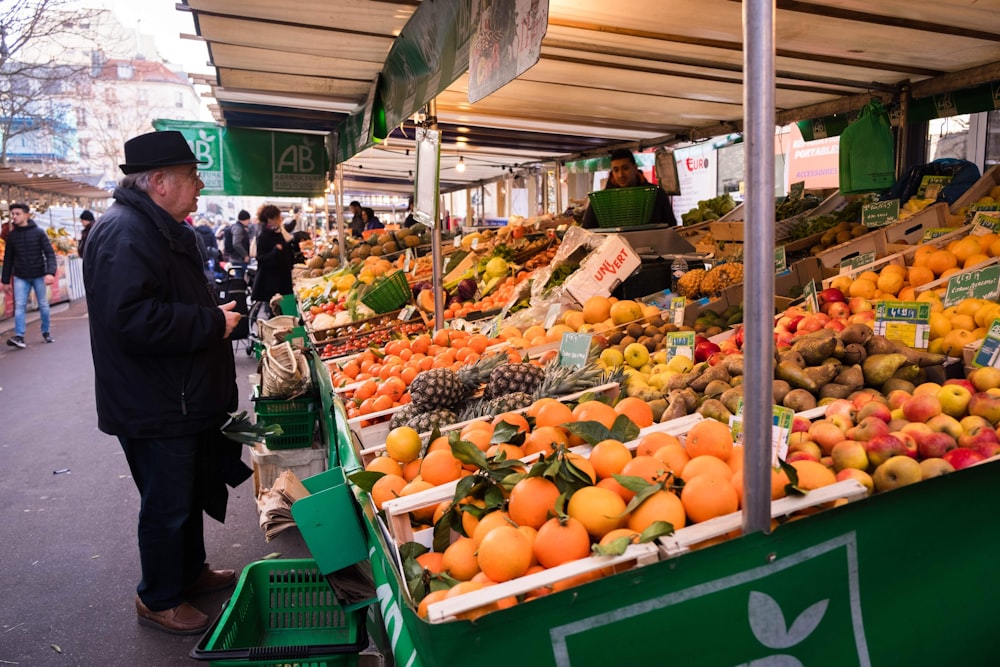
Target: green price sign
[(880, 213), (934, 232), (985, 223), (574, 350), (780, 259), (781, 428), (931, 186), (677, 306), (680, 342), (905, 321), (981, 284), (851, 263), (811, 297), (989, 351)]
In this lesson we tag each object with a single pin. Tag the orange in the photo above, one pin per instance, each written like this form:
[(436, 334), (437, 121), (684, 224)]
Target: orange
[(479, 437), (403, 444), (545, 439), (922, 253), (709, 437), (469, 520), (504, 554), (735, 461), (439, 511), (940, 261), (613, 535), (637, 410), (779, 480), (674, 456), (459, 559), (977, 258), (440, 467), (596, 309), (595, 411), (919, 275), (429, 599), (512, 418), (490, 522), (411, 469), (661, 506), (648, 468), (367, 389), (384, 403), (863, 288), (651, 442), (708, 496), (533, 409), (510, 451), (388, 487), (612, 484), (965, 248), (600, 510), (559, 542), (424, 514), (432, 561), (440, 442), (706, 465), (813, 475), (609, 457), (464, 587), (583, 465), (554, 414), (385, 464), (531, 500)]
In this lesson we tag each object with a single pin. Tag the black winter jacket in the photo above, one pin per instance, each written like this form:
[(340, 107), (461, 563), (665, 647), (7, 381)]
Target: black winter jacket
[(161, 365), (29, 253), (274, 267)]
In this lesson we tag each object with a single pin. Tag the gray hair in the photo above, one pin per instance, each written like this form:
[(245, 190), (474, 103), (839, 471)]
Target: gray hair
[(139, 181)]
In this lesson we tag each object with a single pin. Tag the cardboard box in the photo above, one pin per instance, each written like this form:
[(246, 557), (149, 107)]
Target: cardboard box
[(603, 269), (867, 243), (979, 189), (911, 230)]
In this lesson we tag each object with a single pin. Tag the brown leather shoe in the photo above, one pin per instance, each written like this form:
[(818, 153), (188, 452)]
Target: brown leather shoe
[(210, 581), (181, 620)]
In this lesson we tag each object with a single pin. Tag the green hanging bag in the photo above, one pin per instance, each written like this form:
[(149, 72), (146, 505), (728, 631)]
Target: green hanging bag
[(867, 152)]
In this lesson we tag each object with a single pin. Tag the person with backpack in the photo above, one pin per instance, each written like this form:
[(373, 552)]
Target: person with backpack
[(239, 243)]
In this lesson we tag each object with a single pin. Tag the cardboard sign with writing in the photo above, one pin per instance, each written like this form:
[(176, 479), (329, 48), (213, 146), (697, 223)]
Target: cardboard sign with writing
[(811, 297), (796, 190), (985, 223), (880, 213), (677, 306), (905, 321), (973, 209), (574, 349), (989, 351), (864, 259), (780, 259), (934, 232), (981, 284), (931, 186)]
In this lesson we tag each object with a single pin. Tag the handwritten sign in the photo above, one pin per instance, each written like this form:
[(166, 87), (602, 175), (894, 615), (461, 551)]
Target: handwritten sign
[(574, 349), (989, 350), (811, 297), (796, 190), (680, 342), (905, 321), (931, 186), (880, 213), (981, 284), (985, 223), (781, 428), (934, 232), (677, 306), (848, 265), (780, 259)]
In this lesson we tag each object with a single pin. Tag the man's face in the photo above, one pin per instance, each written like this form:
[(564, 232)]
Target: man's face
[(624, 173), (178, 188), (19, 217)]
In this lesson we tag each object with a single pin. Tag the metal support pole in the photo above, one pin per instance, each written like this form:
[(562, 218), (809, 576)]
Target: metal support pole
[(758, 285), (903, 131), (437, 268), (341, 237)]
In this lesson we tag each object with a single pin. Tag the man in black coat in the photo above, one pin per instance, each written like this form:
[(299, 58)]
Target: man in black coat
[(164, 373), (30, 261)]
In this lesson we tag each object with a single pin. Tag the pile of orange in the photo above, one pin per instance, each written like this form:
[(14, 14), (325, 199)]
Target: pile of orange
[(495, 300)]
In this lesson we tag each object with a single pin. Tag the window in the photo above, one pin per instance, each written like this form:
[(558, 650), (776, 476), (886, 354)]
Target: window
[(949, 137), (992, 138), (125, 71), (179, 100)]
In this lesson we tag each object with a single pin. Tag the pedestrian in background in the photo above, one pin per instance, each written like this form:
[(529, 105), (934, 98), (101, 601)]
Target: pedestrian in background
[(86, 219), (165, 379), (30, 261), (274, 258), (357, 221), (371, 220), (239, 256)]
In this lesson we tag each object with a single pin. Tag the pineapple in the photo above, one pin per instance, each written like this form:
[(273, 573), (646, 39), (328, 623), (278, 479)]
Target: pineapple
[(422, 421), (491, 407), (689, 285), (443, 387), (721, 277), (511, 378)]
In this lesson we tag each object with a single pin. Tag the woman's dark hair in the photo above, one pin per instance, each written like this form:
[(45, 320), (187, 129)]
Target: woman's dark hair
[(370, 212), (268, 212)]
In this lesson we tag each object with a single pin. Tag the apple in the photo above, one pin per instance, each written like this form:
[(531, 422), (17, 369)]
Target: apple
[(704, 350), (835, 325), (921, 407), (875, 409), (826, 434), (836, 310), (860, 475), (841, 422), (797, 437), (802, 455), (927, 388), (840, 406), (636, 355), (882, 448), (963, 457), (859, 398), (849, 454), (977, 434), (862, 317), (985, 405), (955, 399), (807, 447), (896, 472), (897, 423), (868, 428), (860, 305), (831, 295), (916, 427), (970, 422), (985, 378), (933, 444), (987, 449), (800, 424), (909, 443), (896, 398), (935, 468), (945, 424), (962, 382)]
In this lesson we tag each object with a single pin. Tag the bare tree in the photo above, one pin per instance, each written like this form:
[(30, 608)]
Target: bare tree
[(35, 71)]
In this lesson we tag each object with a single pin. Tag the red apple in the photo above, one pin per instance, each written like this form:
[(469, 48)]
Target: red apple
[(802, 455), (875, 409), (859, 398), (909, 443), (963, 457), (808, 448), (962, 382), (826, 434), (881, 448), (897, 397), (800, 424), (831, 295), (809, 324), (985, 378), (705, 349), (931, 388), (860, 476), (860, 305), (932, 444), (920, 408), (977, 435), (840, 406), (868, 428), (985, 405)]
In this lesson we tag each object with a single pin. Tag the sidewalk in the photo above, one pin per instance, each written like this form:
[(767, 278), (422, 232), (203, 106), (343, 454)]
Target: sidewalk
[(68, 506)]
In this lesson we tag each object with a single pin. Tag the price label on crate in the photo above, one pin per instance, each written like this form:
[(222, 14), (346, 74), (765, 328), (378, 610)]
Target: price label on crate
[(574, 349), (781, 428), (811, 297), (985, 223), (905, 321), (851, 263), (981, 284), (406, 313), (934, 232), (780, 259), (931, 186), (989, 351), (680, 342), (880, 213), (677, 306), (796, 190)]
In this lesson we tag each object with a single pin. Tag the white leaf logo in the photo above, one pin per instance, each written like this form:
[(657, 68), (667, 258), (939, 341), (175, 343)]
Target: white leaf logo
[(768, 621)]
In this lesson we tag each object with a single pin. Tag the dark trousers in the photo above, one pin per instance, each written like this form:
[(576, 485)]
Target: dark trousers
[(171, 537)]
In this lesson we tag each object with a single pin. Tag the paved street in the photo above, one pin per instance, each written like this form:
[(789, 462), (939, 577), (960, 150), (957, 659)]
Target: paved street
[(70, 562)]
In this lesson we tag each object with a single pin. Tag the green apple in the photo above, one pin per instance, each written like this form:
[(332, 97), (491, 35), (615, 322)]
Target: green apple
[(660, 357), (636, 355), (680, 363), (612, 357)]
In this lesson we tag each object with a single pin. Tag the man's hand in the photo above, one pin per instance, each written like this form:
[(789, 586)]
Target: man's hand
[(232, 317), (49, 279)]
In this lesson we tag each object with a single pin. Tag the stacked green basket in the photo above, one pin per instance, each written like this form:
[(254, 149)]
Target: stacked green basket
[(623, 207), (388, 293)]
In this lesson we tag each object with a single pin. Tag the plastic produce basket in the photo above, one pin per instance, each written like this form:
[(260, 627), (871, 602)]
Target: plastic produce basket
[(623, 207), (390, 294), (282, 612), (297, 418)]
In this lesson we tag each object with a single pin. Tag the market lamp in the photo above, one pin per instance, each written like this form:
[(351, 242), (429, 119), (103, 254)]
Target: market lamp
[(460, 167)]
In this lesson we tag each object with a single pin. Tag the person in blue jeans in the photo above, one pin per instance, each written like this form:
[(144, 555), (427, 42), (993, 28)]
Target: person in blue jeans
[(30, 261)]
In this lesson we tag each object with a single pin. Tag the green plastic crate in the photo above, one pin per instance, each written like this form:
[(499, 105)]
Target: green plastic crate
[(297, 418), (388, 295), (623, 207), (283, 612)]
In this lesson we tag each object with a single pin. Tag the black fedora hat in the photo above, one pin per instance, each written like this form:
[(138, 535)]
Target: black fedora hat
[(157, 149)]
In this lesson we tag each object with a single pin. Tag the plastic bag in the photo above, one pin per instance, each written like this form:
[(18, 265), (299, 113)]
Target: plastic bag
[(867, 152), (964, 175)]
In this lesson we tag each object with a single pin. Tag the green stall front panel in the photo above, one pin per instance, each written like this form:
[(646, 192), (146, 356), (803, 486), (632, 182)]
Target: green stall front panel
[(903, 578)]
